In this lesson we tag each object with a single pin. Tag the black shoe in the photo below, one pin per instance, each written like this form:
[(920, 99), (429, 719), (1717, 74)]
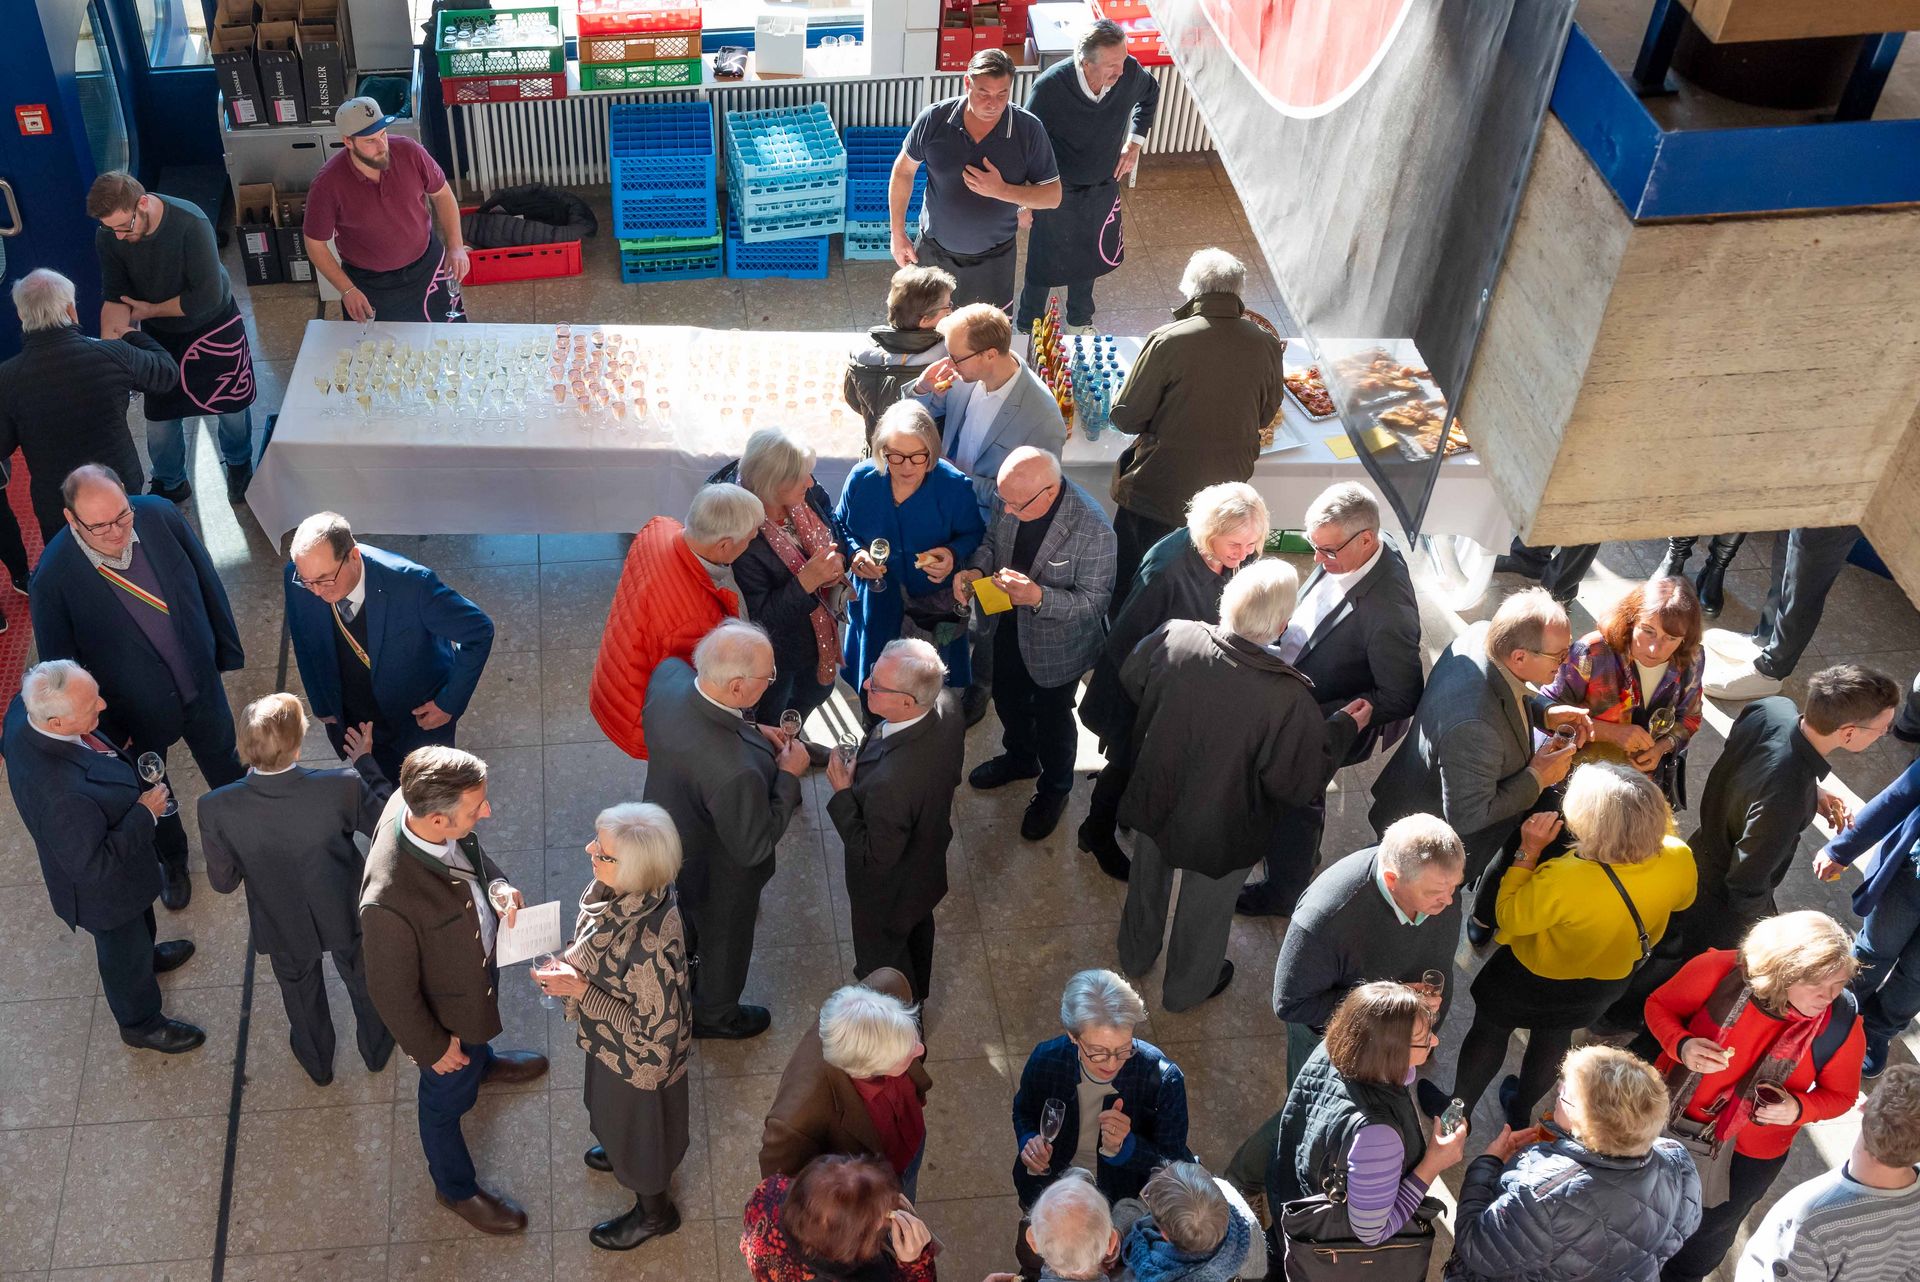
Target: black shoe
[(380, 1057), (1905, 735), (238, 478), (171, 955), (1505, 564), (973, 704), (1674, 564), (1226, 977), (175, 886), (20, 584), (998, 771), (1105, 850), (1477, 934), (1509, 1098), (1258, 900), (1432, 1100), (652, 1216), (178, 494), (171, 1037), (320, 1079), (596, 1158), (1043, 815), (745, 1022)]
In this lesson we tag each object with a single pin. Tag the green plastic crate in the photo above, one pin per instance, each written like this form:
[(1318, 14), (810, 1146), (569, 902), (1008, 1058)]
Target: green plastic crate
[(496, 60), (671, 244), (640, 75)]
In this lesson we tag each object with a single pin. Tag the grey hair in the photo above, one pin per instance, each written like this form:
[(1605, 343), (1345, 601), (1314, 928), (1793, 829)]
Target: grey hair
[(1188, 1207), (1100, 999), (1071, 1226), (1346, 504), (1522, 621), (723, 511), (1104, 34), (730, 651), (1220, 509), (773, 460), (644, 844), (42, 298), (1212, 271), (909, 417), (1259, 601), (1417, 842), (1026, 456), (864, 1032), (322, 527), (922, 670), (45, 689)]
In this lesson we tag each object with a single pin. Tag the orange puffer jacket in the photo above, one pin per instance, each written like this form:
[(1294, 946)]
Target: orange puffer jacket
[(663, 605)]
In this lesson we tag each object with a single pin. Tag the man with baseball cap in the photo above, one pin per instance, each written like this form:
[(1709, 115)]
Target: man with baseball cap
[(381, 201)]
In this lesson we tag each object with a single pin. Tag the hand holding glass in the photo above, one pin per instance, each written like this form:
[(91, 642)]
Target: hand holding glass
[(880, 550), (154, 770), (545, 964), (1053, 1115)]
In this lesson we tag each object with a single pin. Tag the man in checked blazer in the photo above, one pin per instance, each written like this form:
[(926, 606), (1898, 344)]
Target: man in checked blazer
[(1051, 550), (892, 806)]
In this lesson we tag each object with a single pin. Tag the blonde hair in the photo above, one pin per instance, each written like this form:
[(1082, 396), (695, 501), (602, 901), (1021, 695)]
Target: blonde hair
[(1622, 1101), (1522, 621), (644, 844), (1616, 814), (986, 327), (771, 462), (270, 732), (865, 1032), (1221, 509), (1804, 947)]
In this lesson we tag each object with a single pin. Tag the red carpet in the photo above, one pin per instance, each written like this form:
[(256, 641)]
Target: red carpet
[(18, 637)]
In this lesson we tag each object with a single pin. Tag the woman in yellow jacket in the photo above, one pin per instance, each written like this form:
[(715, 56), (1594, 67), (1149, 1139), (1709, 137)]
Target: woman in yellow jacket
[(1571, 941)]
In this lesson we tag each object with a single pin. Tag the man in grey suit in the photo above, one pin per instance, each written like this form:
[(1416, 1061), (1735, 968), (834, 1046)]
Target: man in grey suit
[(892, 805), (1051, 550), (1470, 757), (288, 832), (731, 787)]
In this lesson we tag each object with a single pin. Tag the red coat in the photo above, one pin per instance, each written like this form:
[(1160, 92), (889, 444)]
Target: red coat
[(1677, 1010), (664, 603)]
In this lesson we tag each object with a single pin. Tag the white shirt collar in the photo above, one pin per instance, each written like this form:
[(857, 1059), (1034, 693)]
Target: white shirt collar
[(888, 728), (1351, 577), (439, 852), (1080, 74), (358, 596), (726, 708), (65, 738), (120, 562), (256, 770)]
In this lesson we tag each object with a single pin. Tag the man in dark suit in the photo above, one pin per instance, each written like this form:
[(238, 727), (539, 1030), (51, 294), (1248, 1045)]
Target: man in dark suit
[(429, 914), (892, 806), (380, 639), (128, 591), (731, 787), (288, 832), (93, 824), (1355, 634)]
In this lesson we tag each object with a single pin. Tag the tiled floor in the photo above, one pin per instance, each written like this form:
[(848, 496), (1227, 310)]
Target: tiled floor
[(112, 1162)]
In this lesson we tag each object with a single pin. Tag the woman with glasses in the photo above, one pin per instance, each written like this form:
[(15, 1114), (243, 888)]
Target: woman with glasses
[(900, 351), (912, 517), (1592, 1194), (624, 981), (1097, 1097)]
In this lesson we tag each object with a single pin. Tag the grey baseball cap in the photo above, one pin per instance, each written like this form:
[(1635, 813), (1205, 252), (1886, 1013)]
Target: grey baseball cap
[(359, 117)]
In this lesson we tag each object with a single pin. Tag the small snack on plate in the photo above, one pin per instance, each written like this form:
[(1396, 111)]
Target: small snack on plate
[(1311, 391), (1373, 374), (1421, 423)]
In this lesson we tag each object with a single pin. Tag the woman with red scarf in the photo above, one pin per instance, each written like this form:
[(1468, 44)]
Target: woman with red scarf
[(1758, 1043), (841, 1219)]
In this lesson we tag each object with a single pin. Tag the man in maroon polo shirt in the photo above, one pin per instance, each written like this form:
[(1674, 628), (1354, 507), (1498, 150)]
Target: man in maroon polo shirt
[(380, 201)]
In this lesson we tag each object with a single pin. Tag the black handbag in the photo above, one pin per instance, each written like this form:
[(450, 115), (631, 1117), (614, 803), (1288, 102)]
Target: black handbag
[(1317, 1243)]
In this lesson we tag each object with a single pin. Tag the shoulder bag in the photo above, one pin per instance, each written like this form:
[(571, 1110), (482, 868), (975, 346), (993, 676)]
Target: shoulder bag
[(1646, 945), (1318, 1244)]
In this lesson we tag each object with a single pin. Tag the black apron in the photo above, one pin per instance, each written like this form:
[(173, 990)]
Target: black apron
[(216, 369), (1082, 239), (416, 292)]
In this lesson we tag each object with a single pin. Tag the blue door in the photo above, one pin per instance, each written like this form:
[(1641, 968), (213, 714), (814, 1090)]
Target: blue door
[(63, 72)]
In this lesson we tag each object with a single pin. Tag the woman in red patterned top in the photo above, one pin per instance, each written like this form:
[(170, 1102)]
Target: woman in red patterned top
[(841, 1219)]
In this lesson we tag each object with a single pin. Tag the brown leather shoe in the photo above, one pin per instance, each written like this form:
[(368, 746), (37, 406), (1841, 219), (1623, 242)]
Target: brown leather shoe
[(487, 1212), (510, 1067)]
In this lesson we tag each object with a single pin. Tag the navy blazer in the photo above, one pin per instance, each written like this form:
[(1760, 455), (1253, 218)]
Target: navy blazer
[(78, 615), (427, 642), (1152, 1092), (1891, 821), (83, 810)]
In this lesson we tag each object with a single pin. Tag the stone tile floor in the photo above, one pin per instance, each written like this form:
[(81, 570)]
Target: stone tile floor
[(114, 1164)]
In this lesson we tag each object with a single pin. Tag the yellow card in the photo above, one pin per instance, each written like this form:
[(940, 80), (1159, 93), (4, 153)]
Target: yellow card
[(992, 597), (1341, 446), (1378, 439)]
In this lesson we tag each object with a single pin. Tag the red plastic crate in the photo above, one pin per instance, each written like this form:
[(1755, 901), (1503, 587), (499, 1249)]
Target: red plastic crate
[(524, 262), (619, 17), (1144, 40), (464, 90)]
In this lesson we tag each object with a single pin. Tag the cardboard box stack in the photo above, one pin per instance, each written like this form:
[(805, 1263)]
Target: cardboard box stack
[(967, 28), (256, 206), (279, 62)]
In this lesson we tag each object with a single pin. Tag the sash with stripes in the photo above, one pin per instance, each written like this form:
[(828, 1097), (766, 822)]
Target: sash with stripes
[(132, 589), (359, 651)]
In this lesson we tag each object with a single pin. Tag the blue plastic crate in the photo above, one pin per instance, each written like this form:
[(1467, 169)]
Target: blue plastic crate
[(799, 259), (646, 214), (637, 175), (642, 269), (873, 138), (757, 229), (814, 193), (867, 201), (784, 144), (660, 128), (867, 242)]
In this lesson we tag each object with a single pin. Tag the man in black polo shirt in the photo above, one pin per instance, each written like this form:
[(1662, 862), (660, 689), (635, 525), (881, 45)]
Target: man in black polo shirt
[(986, 160)]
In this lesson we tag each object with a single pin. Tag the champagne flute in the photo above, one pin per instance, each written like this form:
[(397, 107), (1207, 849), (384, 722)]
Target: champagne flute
[(1432, 986), (154, 770), (790, 722), (1661, 722), (880, 550), (543, 964), (849, 747), (1053, 1115)]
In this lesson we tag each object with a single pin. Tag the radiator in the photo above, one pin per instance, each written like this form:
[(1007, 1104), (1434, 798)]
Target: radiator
[(563, 142)]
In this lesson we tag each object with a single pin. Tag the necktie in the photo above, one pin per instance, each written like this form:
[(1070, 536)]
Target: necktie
[(98, 744), (346, 610)]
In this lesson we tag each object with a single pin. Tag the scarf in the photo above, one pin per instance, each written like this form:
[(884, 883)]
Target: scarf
[(894, 1107), (1731, 1107), (813, 538), (1154, 1259)]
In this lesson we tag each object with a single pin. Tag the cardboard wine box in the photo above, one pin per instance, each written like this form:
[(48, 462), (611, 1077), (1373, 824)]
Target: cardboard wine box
[(323, 71), (254, 208), (238, 79), (278, 61)]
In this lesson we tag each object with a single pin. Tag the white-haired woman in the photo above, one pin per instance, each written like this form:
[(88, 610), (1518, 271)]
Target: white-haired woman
[(1182, 577), (925, 509), (856, 1085), (792, 576), (624, 979)]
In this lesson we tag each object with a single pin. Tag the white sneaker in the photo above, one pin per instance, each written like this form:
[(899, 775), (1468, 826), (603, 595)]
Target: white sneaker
[(1737, 646), (1738, 681), (1087, 330)]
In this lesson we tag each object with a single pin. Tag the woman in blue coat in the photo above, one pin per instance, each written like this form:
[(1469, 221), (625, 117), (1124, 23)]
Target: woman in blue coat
[(925, 509)]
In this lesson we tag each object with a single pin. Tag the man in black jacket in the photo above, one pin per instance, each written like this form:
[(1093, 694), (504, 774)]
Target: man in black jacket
[(93, 824), (63, 399), (892, 806)]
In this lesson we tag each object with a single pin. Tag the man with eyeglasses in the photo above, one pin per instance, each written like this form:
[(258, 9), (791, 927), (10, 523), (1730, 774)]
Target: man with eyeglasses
[(380, 640), (730, 787), (128, 591), (892, 805), (160, 271)]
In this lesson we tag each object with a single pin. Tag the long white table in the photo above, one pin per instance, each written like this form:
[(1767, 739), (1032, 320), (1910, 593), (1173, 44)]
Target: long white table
[(448, 474)]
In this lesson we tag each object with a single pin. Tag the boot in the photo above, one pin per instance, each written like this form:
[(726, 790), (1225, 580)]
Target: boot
[(1679, 550), (1712, 581), (652, 1216)]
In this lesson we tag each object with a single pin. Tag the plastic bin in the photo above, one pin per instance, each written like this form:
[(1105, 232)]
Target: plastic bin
[(757, 229), (622, 48), (640, 75), (867, 242), (692, 261), (524, 262), (792, 144), (462, 90), (496, 60), (795, 259), (606, 17)]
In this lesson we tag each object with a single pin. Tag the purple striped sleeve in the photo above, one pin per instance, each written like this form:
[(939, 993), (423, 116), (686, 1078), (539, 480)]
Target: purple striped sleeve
[(1379, 1201)]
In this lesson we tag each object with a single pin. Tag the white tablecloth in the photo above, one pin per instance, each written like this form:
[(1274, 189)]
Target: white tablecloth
[(557, 475)]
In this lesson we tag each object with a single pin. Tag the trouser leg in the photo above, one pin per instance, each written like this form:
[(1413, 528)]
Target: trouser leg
[(1034, 290), (1080, 302), (1679, 549), (1295, 855), (1056, 735), (1539, 1066), (726, 941), (1202, 923), (1133, 536), (303, 989), (981, 628), (370, 1031), (1143, 922), (1015, 701), (1532, 560), (444, 1099), (1302, 1041), (1482, 1053), (167, 452), (1568, 566), (1748, 1180), (920, 958), (235, 430), (207, 727), (13, 548), (1807, 562), (1888, 985), (1109, 786), (125, 955)]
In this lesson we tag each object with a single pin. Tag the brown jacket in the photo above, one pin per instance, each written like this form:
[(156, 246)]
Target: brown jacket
[(426, 970), (818, 1110)]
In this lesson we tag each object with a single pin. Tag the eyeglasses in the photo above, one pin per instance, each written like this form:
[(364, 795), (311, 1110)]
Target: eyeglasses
[(874, 687), (772, 672), (599, 856), (1558, 656), (1101, 1055), (320, 581), (101, 527), (962, 360), (1018, 508), (896, 459), (1427, 1043), (1330, 553)]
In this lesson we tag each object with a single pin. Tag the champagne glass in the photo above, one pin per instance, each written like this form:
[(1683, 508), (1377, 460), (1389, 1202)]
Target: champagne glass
[(849, 747), (879, 550), (1053, 1115), (790, 722), (1432, 986), (154, 770), (1661, 722), (544, 964)]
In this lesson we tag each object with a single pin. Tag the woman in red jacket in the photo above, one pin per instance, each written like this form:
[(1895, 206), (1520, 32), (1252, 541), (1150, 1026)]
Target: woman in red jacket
[(1770, 1037)]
